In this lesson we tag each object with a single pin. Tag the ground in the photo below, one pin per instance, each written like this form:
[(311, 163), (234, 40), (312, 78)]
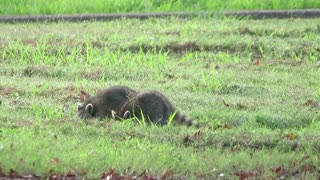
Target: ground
[(252, 84)]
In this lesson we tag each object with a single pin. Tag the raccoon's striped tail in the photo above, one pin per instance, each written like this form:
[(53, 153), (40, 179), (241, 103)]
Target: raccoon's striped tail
[(182, 119)]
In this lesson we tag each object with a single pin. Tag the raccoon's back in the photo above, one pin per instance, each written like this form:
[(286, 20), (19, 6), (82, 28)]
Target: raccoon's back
[(150, 105), (113, 98), (156, 108), (110, 99)]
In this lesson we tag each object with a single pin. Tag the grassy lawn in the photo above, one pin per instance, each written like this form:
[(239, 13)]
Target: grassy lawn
[(253, 86), (34, 7)]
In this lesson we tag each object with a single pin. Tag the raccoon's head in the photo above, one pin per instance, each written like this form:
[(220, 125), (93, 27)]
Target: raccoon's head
[(85, 110)]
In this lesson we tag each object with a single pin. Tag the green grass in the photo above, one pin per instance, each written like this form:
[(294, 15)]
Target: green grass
[(34, 7), (246, 81)]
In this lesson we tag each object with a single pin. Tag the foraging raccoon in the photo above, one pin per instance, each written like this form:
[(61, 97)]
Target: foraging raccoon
[(153, 107), (104, 102)]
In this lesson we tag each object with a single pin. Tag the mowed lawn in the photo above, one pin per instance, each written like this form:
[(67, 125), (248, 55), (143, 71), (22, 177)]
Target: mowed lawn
[(253, 85)]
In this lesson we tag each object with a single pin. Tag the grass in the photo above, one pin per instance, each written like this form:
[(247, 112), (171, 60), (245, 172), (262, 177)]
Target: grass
[(35, 7), (253, 85)]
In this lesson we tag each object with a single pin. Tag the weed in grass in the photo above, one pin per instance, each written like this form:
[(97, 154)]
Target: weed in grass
[(171, 118), (141, 119), (210, 80)]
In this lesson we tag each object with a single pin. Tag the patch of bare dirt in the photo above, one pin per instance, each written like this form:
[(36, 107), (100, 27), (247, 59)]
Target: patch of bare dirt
[(36, 70), (286, 62), (7, 91), (254, 14)]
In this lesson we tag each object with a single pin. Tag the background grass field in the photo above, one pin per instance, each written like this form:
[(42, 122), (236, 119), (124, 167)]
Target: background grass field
[(253, 85), (34, 7)]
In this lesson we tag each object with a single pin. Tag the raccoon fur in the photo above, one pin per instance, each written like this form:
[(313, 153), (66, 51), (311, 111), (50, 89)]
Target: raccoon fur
[(153, 107), (102, 104)]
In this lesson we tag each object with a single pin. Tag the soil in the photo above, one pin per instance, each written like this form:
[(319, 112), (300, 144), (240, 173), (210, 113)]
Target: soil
[(256, 14)]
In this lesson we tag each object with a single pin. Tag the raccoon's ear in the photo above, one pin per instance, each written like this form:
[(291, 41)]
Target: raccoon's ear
[(127, 115), (89, 108), (84, 96)]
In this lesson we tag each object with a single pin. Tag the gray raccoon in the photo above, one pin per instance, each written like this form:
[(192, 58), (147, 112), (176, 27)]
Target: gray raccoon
[(106, 101), (153, 107)]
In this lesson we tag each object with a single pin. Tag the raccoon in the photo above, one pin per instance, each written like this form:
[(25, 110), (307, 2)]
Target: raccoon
[(153, 107), (102, 104)]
